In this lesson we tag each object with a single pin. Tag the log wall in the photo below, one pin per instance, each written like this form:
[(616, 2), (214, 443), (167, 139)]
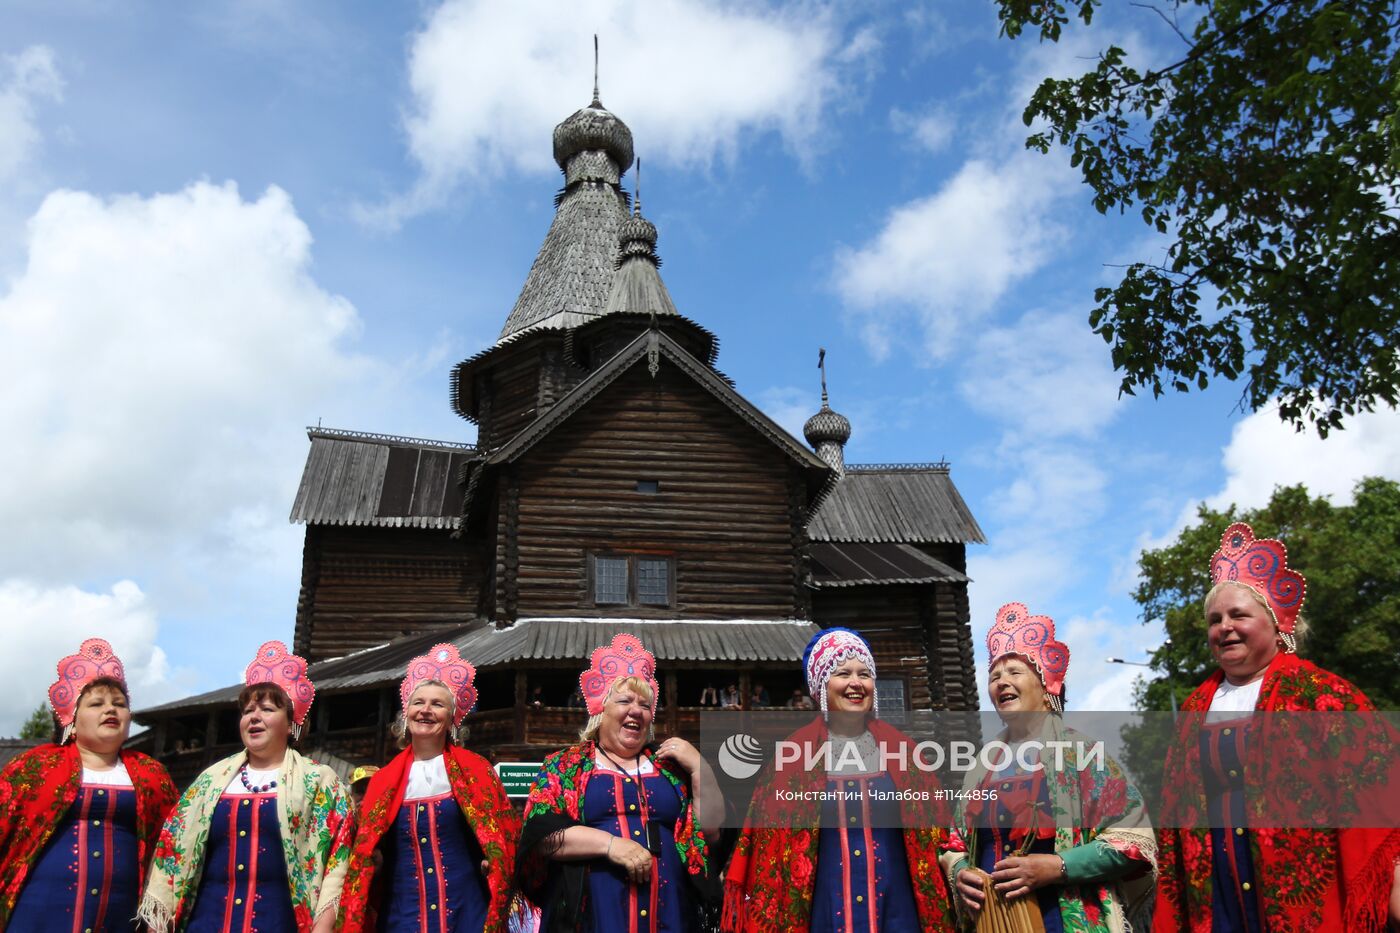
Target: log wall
[(363, 586), (722, 512)]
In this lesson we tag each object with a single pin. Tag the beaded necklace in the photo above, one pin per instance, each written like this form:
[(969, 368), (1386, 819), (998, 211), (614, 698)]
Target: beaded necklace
[(255, 788)]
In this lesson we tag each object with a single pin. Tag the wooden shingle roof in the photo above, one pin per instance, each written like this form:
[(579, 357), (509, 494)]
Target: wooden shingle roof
[(540, 639), (857, 563), (909, 503), (352, 478)]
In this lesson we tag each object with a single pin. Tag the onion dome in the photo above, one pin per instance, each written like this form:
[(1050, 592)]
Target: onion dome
[(637, 237), (827, 426), (593, 128), (828, 431)]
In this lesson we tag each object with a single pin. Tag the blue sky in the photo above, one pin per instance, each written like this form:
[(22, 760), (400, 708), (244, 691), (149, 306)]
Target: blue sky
[(222, 222)]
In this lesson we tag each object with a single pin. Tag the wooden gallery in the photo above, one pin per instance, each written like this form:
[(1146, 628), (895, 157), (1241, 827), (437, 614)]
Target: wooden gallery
[(618, 483)]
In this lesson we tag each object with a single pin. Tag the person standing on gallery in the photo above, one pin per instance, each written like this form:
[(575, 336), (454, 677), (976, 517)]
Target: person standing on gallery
[(436, 844), (1216, 872), (260, 842), (79, 818), (618, 829)]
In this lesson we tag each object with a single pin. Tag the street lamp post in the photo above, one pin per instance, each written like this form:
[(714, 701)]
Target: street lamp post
[(1171, 694)]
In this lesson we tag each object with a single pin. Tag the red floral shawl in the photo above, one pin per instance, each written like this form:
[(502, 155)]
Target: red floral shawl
[(39, 786), (769, 885), (1308, 879), (484, 803)]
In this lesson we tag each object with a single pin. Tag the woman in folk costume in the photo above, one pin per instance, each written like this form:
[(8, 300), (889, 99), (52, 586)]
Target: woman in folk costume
[(261, 840), (1217, 873), (79, 820), (866, 860), (1071, 833), (617, 828), (435, 848)]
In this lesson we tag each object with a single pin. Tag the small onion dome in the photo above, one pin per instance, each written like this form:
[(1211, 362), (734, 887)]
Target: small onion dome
[(637, 237), (827, 426), (593, 127)]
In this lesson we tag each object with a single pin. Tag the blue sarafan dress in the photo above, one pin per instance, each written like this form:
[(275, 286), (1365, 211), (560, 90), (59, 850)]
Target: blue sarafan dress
[(434, 860), (1020, 806), (244, 888), (862, 878), (88, 876), (623, 804)]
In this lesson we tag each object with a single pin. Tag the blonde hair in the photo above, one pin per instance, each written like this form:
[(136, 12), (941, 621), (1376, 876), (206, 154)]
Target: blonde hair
[(589, 732), (1300, 624), (399, 727)]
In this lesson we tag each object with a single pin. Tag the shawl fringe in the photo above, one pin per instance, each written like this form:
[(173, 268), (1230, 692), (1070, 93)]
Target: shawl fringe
[(155, 914), (1368, 904), (735, 907)]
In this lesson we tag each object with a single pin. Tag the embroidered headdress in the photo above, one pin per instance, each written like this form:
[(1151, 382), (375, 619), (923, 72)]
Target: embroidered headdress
[(1262, 565), (93, 660), (276, 665), (445, 664), (828, 650), (1016, 631), (625, 657)]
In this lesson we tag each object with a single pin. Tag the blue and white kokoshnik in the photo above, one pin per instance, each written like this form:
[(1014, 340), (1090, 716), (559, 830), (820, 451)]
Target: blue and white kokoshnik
[(828, 650)]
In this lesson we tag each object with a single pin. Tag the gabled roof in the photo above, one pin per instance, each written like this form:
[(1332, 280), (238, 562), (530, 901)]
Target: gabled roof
[(353, 478), (545, 639), (648, 342), (858, 563), (910, 503)]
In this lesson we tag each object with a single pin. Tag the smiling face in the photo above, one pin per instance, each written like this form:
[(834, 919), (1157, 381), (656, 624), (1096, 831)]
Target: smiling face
[(625, 725), (103, 719), (851, 688), (429, 714), (1014, 687), (265, 724), (1241, 632)]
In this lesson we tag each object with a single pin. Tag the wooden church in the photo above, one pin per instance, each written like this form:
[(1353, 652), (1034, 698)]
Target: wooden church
[(619, 482)]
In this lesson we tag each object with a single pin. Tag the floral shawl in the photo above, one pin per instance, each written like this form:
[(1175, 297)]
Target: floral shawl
[(39, 786), (1090, 805), (769, 885), (488, 812), (317, 824), (556, 801), (1307, 879)]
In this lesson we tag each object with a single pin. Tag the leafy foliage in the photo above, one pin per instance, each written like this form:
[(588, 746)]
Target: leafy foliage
[(39, 725), (1268, 150)]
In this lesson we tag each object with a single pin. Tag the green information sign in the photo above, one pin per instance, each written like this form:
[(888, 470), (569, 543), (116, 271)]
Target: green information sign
[(518, 776)]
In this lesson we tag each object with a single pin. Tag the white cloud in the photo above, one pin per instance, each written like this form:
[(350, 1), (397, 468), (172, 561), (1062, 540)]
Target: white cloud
[(25, 78), (691, 79), (159, 354), (932, 130), (1046, 376), (1264, 453), (946, 259), (42, 625)]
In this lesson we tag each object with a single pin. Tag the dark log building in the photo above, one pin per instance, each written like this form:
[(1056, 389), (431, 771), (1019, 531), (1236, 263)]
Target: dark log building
[(618, 482)]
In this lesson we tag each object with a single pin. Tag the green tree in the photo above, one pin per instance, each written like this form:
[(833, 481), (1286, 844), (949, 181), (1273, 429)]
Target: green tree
[(1267, 148), (39, 725)]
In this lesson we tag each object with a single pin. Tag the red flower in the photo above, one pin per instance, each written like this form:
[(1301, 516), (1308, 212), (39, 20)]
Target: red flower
[(1328, 701), (801, 868)]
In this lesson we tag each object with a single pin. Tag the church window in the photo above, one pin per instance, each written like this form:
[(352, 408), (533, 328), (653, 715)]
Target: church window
[(610, 581), (632, 580)]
